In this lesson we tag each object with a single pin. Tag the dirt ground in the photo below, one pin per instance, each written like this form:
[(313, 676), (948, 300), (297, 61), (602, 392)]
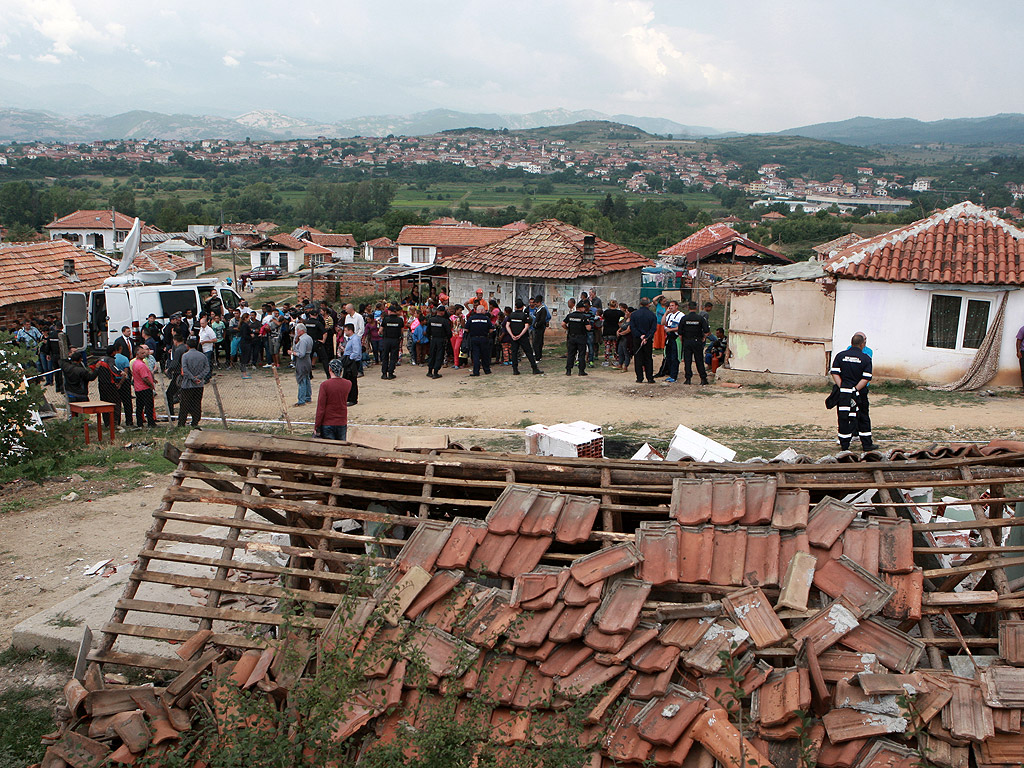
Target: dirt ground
[(45, 550)]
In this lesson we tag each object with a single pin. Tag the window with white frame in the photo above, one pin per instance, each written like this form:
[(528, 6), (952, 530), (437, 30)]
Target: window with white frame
[(420, 255), (957, 322)]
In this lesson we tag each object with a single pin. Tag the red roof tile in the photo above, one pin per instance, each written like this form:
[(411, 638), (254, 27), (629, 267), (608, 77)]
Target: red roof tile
[(35, 271), (330, 239), (155, 259), (962, 245), (466, 237), (97, 220), (547, 250), (716, 238)]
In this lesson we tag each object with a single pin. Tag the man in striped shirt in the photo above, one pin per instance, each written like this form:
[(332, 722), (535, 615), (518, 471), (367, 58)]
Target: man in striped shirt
[(851, 372)]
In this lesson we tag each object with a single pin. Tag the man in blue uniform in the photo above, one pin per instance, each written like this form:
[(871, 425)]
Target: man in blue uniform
[(518, 328), (439, 333), (478, 326), (391, 326), (576, 324), (851, 372)]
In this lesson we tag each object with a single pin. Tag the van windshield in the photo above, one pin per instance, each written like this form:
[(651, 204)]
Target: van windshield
[(231, 300)]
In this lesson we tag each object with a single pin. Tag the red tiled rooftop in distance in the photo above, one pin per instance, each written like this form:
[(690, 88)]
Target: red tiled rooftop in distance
[(34, 271), (332, 239), (84, 219), (451, 235), (962, 245), (548, 250)]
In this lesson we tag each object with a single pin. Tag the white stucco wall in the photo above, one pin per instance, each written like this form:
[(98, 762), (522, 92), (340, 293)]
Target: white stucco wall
[(895, 318), (405, 254)]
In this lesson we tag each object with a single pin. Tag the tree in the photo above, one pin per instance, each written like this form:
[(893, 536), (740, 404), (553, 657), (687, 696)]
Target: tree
[(123, 201)]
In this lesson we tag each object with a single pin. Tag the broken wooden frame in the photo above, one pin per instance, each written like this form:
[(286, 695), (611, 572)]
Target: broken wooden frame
[(305, 489)]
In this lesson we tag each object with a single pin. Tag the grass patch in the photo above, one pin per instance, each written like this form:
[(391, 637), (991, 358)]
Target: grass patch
[(63, 621), (24, 718)]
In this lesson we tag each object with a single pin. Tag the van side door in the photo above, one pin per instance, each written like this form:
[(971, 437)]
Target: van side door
[(119, 314)]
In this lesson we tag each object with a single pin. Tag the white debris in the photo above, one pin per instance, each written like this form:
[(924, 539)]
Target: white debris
[(788, 456), (686, 443), (70, 497), (97, 567), (647, 453), (841, 618), (890, 724), (670, 711)]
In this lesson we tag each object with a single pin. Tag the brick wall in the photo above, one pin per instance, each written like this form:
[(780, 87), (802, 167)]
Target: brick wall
[(16, 312)]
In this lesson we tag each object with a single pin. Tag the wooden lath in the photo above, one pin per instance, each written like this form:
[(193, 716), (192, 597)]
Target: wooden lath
[(253, 485)]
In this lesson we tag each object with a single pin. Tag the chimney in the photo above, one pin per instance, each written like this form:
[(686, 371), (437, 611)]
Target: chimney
[(69, 267), (588, 247)]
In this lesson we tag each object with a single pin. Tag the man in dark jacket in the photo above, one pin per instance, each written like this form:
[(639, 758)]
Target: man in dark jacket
[(644, 324), (478, 326), (693, 329), (518, 328), (439, 334), (77, 376), (195, 368)]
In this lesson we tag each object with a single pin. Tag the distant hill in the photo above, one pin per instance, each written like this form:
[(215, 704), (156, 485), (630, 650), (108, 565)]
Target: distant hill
[(32, 125), (868, 131)]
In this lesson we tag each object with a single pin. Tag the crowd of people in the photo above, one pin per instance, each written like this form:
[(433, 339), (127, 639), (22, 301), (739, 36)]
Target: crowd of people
[(428, 332)]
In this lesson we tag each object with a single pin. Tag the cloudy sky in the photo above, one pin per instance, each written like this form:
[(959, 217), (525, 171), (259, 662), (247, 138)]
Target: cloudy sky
[(742, 65)]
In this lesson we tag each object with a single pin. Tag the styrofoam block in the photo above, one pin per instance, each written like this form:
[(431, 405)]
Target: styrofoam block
[(647, 453), (584, 425), (689, 443)]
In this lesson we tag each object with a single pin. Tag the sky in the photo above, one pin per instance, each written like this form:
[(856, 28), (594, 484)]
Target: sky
[(734, 65)]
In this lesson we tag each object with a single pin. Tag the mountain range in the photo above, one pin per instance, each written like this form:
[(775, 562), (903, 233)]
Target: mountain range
[(37, 125)]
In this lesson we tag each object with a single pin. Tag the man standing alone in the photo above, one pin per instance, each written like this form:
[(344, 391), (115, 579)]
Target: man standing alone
[(195, 369), (577, 325), (518, 328), (851, 372), (644, 325), (694, 330), (301, 352), (391, 326)]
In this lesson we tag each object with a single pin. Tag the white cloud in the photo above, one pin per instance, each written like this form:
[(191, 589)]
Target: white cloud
[(230, 61), (46, 58)]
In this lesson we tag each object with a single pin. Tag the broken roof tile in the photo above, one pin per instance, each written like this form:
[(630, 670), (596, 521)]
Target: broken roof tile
[(1000, 750), (836, 664), (542, 517), (821, 555), (576, 520), (676, 754), (654, 684), (664, 720), (604, 563), (624, 743), (761, 562), (509, 726), (659, 547), (796, 584), (447, 612), (895, 545), (641, 637), (881, 684), (969, 717), (825, 628), (684, 633), (783, 693), (604, 642), (905, 603), (611, 694), (1011, 641), (500, 679), (586, 677), (722, 635), (509, 510), (423, 546), (655, 657), (1003, 687), (691, 501), (860, 544), (849, 724), (466, 534), (728, 500), (445, 655), (542, 584), (572, 623), (534, 690), (441, 584), (696, 554), (827, 521), (888, 754), (842, 755), (750, 609), (844, 577), (760, 500), (490, 554), (728, 556), (896, 650), (1007, 720), (489, 618), (720, 737), (791, 508), (621, 606), (576, 595), (533, 630), (538, 654), (791, 542)]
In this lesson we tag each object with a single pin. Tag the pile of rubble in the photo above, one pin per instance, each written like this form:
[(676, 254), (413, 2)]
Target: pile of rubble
[(746, 626)]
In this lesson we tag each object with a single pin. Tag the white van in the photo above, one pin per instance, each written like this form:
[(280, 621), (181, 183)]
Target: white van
[(95, 319)]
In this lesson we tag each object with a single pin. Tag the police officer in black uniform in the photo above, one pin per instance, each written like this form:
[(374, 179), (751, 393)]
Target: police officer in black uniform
[(391, 326), (577, 324), (694, 329), (478, 326), (851, 372), (518, 328), (439, 333)]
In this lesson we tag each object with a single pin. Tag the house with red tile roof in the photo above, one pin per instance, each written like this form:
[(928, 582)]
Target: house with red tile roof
[(382, 249), (551, 259), (341, 245), (287, 252), (936, 297), (418, 245), (95, 229), (34, 276), (720, 250)]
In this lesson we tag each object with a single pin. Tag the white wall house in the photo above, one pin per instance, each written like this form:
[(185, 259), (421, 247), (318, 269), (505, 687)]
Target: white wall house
[(94, 229), (282, 251), (418, 245), (342, 246)]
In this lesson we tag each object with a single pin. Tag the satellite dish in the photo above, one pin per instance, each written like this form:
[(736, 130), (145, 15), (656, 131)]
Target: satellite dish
[(131, 248)]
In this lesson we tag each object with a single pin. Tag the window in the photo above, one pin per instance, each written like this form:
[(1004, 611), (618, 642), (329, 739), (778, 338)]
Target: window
[(264, 258), (177, 301), (420, 255), (957, 323)]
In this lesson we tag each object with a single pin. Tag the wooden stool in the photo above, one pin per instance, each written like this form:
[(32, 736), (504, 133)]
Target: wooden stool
[(88, 407)]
